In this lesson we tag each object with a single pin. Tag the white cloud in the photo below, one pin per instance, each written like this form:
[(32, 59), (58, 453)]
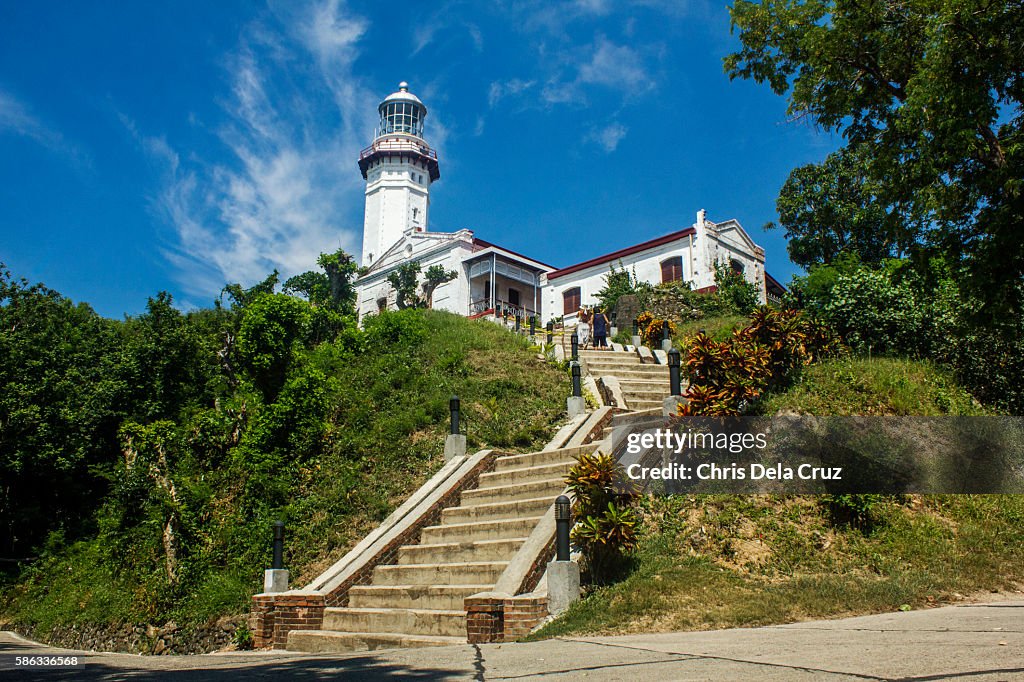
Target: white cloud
[(448, 21), (499, 90), (288, 187), (615, 66), (609, 136), (17, 118), (600, 7)]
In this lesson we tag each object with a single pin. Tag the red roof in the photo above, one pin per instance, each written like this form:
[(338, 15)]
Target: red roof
[(622, 253), (770, 281)]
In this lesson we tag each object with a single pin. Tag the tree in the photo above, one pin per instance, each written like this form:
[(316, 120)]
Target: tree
[(272, 329), (61, 400), (341, 272), (618, 283), (240, 296), (435, 276), (832, 208), (405, 281), (929, 92), (315, 287), (734, 289)]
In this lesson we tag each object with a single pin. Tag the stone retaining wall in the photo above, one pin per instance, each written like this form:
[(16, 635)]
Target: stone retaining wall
[(165, 639)]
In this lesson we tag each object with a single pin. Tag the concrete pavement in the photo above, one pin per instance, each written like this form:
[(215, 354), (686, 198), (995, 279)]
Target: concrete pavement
[(976, 642)]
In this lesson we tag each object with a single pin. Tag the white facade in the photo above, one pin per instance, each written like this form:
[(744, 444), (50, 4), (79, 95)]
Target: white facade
[(400, 167), (397, 200), (689, 255)]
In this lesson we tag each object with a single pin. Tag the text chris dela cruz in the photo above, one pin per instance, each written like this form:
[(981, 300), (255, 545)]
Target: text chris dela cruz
[(709, 471)]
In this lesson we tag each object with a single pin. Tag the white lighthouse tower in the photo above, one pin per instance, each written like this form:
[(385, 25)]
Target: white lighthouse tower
[(399, 168)]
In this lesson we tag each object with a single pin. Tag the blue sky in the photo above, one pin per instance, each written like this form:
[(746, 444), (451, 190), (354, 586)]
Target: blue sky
[(179, 146)]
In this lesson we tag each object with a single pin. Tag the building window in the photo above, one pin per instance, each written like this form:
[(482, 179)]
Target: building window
[(513, 296), (570, 301), (672, 269), (737, 266)]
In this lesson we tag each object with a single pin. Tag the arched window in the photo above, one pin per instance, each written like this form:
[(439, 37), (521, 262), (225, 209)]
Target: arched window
[(737, 266), (672, 269), (570, 301)]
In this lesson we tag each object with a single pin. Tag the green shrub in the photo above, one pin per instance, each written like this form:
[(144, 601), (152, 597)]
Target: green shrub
[(725, 377), (876, 313), (858, 511), (606, 528), (733, 288), (652, 329)]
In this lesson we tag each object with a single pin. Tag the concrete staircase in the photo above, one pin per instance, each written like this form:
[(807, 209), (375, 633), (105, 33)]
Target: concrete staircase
[(644, 386), (418, 600)]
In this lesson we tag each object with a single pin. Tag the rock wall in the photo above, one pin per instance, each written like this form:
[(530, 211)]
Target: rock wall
[(142, 639)]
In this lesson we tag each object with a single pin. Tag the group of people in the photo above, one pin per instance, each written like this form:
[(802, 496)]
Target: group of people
[(595, 321)]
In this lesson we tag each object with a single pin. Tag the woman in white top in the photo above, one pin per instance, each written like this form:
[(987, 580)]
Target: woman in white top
[(583, 327)]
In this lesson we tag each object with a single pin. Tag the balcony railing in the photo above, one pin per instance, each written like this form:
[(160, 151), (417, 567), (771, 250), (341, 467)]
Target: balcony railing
[(399, 145), (483, 307)]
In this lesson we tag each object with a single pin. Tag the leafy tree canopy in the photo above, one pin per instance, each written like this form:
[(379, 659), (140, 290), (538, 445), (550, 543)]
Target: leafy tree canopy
[(435, 276), (928, 93), (404, 281)]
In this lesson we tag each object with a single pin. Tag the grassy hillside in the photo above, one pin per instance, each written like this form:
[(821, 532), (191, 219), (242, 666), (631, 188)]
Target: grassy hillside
[(877, 386), (355, 423), (718, 561), (739, 561)]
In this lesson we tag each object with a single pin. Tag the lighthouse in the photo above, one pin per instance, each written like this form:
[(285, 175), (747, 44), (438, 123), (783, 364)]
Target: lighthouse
[(399, 167)]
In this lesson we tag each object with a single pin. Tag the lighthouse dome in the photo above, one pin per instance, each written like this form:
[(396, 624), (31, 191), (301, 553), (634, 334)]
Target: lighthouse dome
[(402, 112), (403, 95)]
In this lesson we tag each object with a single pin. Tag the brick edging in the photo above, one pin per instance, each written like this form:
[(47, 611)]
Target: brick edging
[(273, 616)]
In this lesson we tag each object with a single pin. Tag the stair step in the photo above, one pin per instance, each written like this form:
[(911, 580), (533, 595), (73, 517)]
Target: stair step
[(482, 530), (412, 596), (653, 394), (492, 511), (465, 573), (606, 367), (530, 490), (434, 622), (631, 367), (643, 404), (645, 384), (484, 550), (636, 372), (526, 474), (540, 458), (329, 642)]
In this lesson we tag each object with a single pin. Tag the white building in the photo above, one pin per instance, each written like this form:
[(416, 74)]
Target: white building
[(400, 167)]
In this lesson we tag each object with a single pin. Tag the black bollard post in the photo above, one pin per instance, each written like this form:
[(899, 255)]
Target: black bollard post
[(563, 519), (636, 327), (533, 325), (277, 563), (519, 319), (665, 333), (577, 390), (575, 346), (673, 373), (454, 407), (551, 333)]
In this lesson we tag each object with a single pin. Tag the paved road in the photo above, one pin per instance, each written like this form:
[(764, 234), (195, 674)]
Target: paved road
[(975, 642)]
